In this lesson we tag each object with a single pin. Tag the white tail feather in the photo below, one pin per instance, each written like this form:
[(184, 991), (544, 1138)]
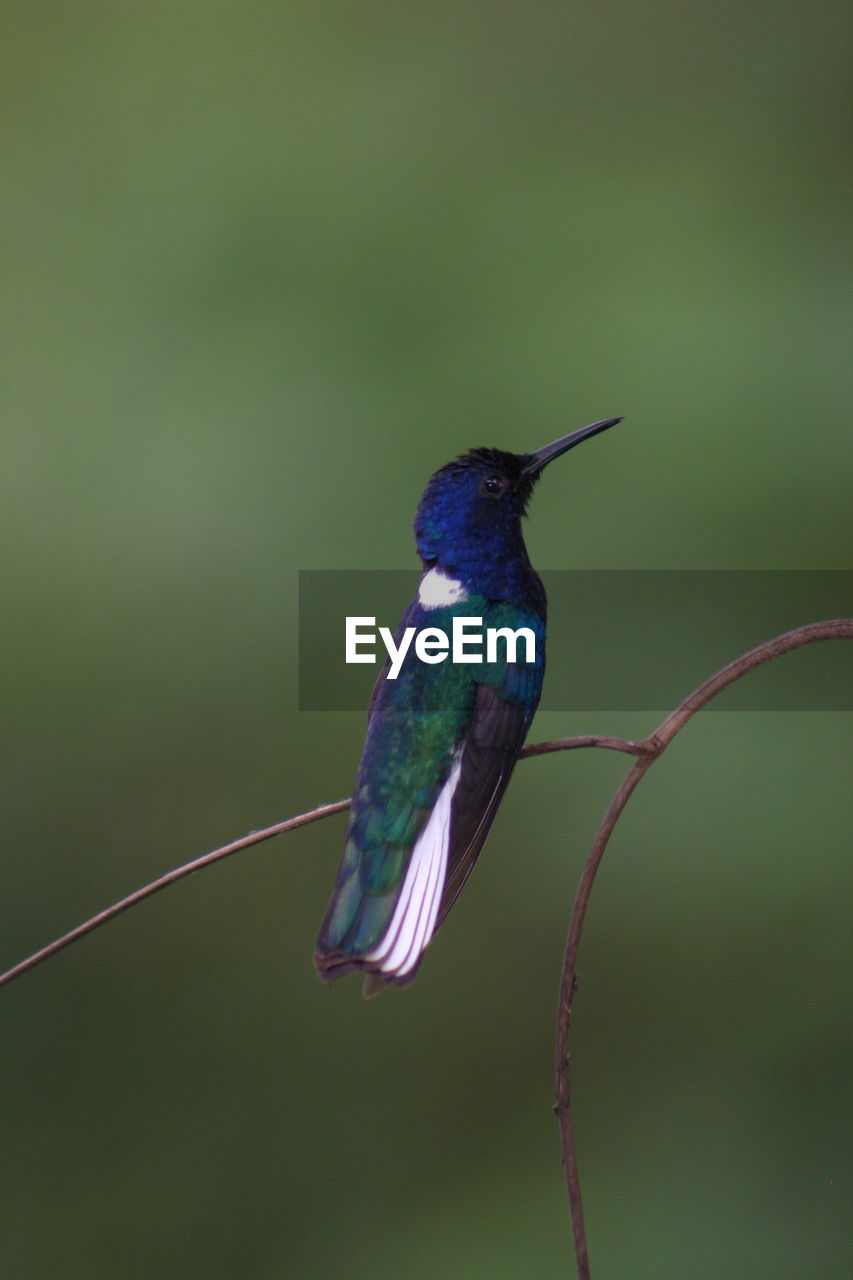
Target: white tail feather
[(416, 912)]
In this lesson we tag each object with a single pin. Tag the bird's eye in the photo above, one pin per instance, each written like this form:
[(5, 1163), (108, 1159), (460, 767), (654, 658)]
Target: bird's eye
[(493, 486)]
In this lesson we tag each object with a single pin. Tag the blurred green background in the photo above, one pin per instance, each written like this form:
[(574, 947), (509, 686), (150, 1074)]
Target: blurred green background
[(266, 267)]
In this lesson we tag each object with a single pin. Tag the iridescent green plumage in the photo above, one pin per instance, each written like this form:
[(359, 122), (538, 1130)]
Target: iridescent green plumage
[(417, 725)]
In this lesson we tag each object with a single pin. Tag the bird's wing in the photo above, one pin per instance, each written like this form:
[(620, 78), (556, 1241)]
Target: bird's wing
[(494, 738)]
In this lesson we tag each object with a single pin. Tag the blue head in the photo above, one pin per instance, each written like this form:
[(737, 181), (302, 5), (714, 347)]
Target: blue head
[(469, 518)]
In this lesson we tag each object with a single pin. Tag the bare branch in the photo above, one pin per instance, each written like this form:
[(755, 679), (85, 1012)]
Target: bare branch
[(163, 882), (649, 750), (584, 740), (245, 842)]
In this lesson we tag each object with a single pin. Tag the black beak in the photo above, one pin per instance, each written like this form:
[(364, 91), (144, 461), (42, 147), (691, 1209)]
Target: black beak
[(534, 463)]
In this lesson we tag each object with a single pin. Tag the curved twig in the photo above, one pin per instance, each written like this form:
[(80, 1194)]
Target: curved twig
[(584, 740), (163, 882), (256, 837), (647, 751)]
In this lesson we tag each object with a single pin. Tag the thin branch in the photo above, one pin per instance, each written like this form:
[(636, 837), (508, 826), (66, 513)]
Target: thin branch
[(245, 842), (647, 751), (568, 985), (163, 882), (584, 740)]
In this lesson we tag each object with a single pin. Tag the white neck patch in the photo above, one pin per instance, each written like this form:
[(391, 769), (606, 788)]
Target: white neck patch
[(436, 590)]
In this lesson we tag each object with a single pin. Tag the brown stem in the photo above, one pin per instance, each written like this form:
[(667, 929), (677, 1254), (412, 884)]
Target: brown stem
[(568, 986), (255, 837), (163, 882), (584, 740), (649, 750)]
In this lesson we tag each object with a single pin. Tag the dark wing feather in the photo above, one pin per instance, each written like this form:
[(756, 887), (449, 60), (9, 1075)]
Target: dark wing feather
[(494, 738)]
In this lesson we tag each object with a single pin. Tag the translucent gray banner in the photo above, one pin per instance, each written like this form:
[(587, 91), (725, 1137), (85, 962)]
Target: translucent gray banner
[(634, 640)]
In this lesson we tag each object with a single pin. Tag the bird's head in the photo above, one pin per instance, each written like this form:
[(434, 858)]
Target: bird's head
[(471, 509)]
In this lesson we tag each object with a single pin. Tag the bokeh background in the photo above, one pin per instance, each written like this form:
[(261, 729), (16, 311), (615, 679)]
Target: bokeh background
[(266, 266)]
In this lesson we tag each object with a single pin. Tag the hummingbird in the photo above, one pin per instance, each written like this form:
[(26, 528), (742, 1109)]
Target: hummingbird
[(443, 736)]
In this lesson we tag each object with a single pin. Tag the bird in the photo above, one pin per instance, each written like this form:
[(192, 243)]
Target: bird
[(443, 736)]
